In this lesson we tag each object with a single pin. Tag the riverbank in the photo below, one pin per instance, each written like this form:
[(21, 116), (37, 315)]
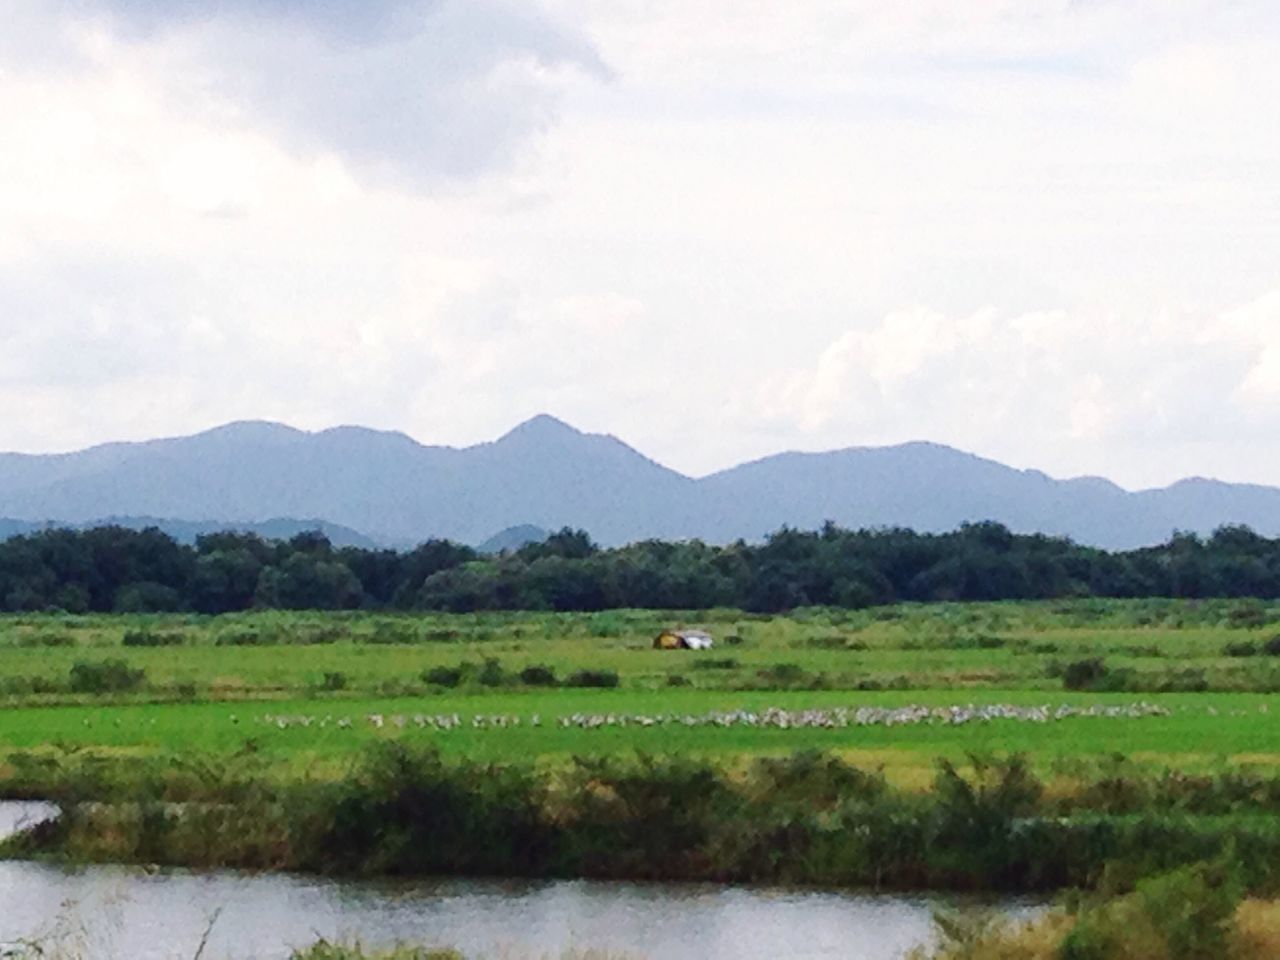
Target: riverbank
[(805, 819)]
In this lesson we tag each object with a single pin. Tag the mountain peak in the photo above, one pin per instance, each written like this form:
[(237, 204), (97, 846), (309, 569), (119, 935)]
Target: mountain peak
[(248, 430), (541, 427)]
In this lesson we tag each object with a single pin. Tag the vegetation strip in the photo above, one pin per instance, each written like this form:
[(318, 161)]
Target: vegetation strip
[(808, 818), (126, 571)]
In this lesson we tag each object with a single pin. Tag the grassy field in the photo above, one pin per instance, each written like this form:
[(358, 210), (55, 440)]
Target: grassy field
[(312, 688), (1202, 731)]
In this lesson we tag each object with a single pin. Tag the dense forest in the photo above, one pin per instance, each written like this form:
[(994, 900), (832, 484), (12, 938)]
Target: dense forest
[(117, 569)]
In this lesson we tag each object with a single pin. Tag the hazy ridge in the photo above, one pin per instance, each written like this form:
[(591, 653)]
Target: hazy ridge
[(389, 488)]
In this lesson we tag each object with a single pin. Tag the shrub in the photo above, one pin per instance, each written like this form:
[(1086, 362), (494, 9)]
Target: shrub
[(592, 678), (492, 674), (1187, 680), (789, 676), (392, 633), (1245, 649), (1182, 915), (1248, 615), (145, 638), (315, 634), (246, 638), (1272, 647), (538, 675), (443, 676), (109, 676), (716, 663), (19, 685), (47, 640), (677, 680), (1084, 674), (334, 680)]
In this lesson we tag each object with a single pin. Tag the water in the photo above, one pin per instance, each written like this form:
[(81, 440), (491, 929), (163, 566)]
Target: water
[(114, 913)]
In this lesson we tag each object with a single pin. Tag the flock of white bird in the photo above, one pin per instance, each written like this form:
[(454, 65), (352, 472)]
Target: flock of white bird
[(835, 718)]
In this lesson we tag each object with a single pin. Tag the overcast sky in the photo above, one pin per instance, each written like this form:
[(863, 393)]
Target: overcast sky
[(1046, 231)]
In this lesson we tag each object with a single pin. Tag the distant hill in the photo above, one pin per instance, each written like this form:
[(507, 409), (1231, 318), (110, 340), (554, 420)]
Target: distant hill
[(186, 531), (548, 475), (513, 538)]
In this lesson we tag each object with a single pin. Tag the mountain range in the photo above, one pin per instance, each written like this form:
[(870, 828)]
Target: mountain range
[(371, 486)]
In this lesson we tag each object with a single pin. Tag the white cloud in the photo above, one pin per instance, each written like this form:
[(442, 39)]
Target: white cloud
[(406, 89), (1066, 392)]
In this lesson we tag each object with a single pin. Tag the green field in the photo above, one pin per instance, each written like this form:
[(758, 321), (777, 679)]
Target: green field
[(339, 681)]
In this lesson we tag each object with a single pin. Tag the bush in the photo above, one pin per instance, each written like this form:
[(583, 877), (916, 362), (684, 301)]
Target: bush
[(1084, 674), (315, 634), (1248, 615), (443, 676), (334, 680), (1187, 680), (1272, 647), (246, 638), (145, 638), (492, 674), (1182, 915), (538, 675), (392, 633), (592, 678), (20, 685), (789, 676), (109, 676), (47, 640), (1245, 649)]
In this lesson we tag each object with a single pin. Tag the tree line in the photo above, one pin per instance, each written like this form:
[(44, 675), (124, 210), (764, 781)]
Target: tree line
[(134, 571)]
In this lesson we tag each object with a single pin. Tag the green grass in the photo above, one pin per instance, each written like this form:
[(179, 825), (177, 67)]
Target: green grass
[(1191, 737), (203, 691), (939, 646)]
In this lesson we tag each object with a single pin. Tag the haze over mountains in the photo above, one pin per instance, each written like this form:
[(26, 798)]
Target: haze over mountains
[(391, 489)]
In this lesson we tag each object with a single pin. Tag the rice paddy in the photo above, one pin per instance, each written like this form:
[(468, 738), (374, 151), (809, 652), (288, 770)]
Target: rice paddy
[(1180, 683)]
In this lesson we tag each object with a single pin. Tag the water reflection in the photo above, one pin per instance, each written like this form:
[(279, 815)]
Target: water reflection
[(121, 913), (111, 913)]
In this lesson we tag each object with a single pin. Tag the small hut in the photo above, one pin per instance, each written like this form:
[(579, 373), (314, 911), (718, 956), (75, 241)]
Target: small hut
[(683, 640)]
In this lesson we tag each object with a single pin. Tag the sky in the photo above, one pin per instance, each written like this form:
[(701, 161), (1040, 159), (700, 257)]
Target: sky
[(1044, 231)]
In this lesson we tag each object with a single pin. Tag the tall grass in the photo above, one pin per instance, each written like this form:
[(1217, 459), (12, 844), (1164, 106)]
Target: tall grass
[(808, 818), (1194, 913)]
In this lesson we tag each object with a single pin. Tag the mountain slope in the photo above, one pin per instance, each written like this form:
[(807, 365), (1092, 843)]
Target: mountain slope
[(930, 487), (547, 474), (383, 484)]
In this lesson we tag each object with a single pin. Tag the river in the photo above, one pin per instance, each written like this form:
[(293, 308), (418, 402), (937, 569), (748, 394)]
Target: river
[(117, 913)]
